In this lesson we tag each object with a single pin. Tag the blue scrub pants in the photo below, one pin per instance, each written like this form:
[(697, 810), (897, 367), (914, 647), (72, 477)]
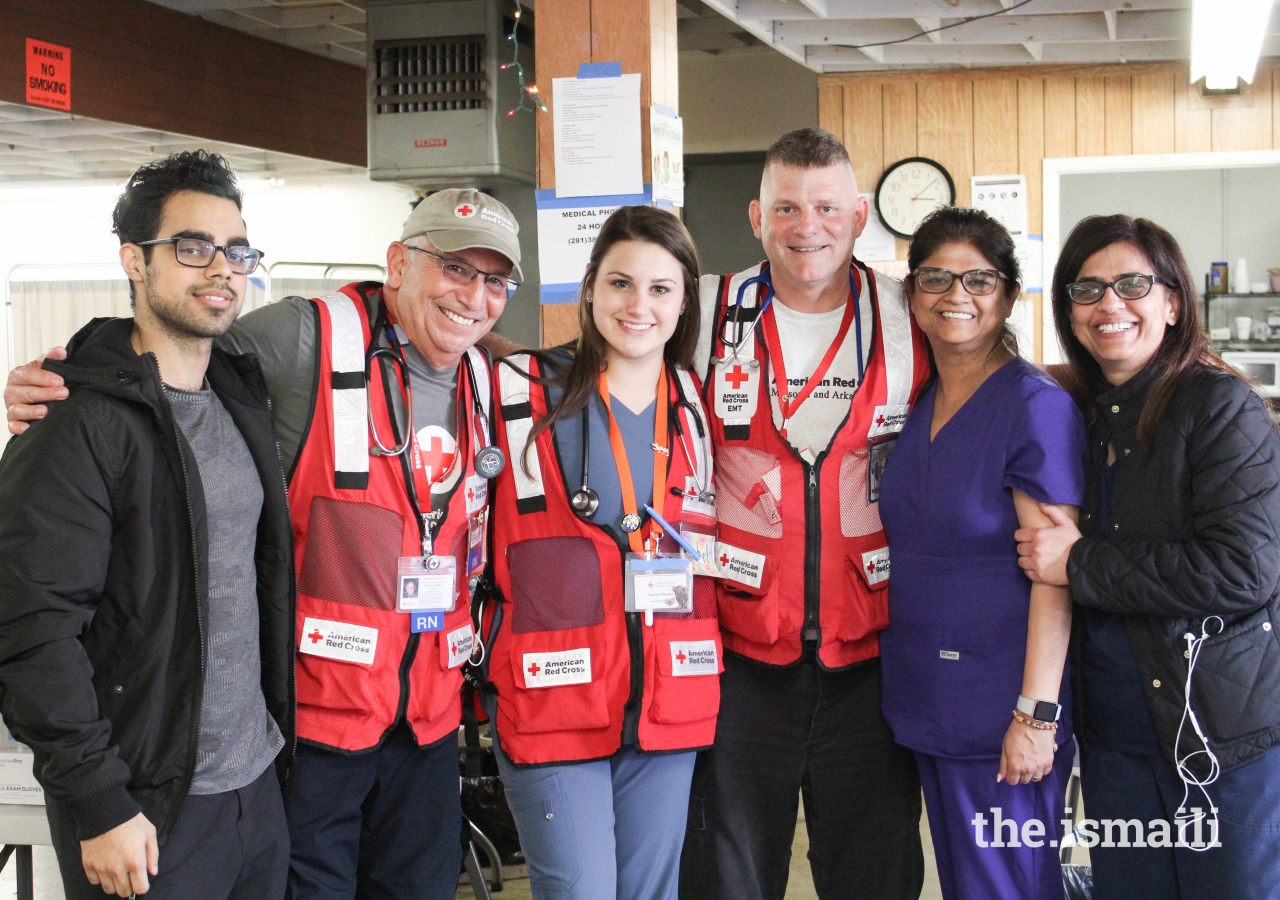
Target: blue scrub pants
[(606, 830), (957, 790), (1130, 786)]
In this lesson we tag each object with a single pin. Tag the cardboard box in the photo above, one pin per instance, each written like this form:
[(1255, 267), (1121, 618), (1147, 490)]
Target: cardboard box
[(17, 780)]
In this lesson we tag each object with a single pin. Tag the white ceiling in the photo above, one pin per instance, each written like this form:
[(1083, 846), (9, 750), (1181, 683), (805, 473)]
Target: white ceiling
[(820, 34), (39, 144)]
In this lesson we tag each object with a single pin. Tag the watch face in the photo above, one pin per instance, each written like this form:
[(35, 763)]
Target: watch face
[(909, 191)]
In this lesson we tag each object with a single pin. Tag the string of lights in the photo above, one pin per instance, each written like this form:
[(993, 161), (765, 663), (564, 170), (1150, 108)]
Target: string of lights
[(529, 99)]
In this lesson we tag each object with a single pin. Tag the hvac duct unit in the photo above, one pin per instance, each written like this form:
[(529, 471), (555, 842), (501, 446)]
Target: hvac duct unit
[(438, 101)]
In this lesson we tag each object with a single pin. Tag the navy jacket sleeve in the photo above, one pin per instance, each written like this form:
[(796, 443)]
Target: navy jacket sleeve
[(1228, 562), (55, 546)]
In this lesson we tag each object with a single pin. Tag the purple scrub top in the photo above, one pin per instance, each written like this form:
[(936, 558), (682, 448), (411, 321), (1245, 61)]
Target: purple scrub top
[(953, 654)]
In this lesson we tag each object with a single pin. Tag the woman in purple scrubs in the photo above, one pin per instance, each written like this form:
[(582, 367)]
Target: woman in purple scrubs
[(974, 656)]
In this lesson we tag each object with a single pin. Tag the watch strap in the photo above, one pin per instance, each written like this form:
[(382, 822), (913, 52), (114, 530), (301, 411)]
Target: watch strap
[(1040, 710)]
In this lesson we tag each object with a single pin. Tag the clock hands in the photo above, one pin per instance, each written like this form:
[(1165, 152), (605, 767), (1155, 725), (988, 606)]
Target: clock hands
[(923, 189)]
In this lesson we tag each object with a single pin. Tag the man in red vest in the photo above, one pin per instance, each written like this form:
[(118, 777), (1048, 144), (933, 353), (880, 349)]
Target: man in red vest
[(372, 800), (811, 362)]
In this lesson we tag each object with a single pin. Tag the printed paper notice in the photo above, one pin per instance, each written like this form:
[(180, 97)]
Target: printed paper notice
[(666, 138), (875, 244), (597, 134), (1004, 198)]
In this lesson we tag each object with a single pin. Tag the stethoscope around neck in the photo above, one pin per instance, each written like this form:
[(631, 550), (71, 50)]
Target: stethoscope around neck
[(489, 460), (765, 279), (585, 501)]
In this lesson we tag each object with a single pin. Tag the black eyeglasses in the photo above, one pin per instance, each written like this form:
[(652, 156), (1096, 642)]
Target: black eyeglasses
[(462, 274), (978, 282), (1127, 287), (199, 254)]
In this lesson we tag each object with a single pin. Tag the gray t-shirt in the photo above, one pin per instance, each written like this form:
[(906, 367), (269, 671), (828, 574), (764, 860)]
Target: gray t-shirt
[(238, 738), (283, 336)]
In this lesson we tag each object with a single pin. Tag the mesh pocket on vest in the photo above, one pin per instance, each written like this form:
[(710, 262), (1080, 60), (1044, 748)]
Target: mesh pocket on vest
[(555, 584), (858, 517), (748, 491), (352, 549)]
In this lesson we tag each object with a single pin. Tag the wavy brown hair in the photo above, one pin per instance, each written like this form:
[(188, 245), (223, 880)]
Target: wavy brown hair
[(643, 224), (1185, 346)]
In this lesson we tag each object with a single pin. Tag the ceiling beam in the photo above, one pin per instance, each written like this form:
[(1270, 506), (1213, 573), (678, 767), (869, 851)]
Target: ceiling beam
[(900, 9)]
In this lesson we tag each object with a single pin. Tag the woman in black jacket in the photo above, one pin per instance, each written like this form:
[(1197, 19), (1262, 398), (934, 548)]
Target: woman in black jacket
[(1174, 571)]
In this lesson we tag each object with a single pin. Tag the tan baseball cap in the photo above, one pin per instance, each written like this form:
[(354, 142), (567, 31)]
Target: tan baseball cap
[(463, 218)]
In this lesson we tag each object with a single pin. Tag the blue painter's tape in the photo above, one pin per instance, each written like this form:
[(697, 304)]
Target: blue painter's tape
[(559, 293), (665, 111), (547, 199), (600, 70)]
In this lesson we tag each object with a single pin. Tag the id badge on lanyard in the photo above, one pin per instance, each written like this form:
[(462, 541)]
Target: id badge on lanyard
[(663, 584)]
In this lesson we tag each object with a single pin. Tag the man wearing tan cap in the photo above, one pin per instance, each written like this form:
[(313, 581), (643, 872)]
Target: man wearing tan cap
[(372, 798)]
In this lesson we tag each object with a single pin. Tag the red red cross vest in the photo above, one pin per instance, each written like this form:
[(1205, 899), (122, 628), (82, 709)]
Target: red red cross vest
[(775, 510), (567, 656), (359, 669)]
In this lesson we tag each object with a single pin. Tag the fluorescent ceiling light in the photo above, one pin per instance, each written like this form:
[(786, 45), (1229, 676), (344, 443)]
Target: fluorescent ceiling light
[(1226, 39)]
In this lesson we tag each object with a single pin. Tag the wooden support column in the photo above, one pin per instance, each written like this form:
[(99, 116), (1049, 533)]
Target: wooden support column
[(639, 34)]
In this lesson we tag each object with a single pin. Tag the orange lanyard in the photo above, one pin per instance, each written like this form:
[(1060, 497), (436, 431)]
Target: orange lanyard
[(660, 453), (769, 326)]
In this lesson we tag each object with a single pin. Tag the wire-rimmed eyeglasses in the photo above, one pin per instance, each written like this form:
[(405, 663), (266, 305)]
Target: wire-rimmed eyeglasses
[(462, 274), (199, 254)]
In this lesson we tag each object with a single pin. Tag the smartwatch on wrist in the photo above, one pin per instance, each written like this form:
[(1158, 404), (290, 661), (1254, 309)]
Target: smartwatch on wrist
[(1040, 710)]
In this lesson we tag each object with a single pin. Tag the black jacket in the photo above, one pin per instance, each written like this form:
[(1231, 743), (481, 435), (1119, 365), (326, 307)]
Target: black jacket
[(1195, 533), (103, 590)]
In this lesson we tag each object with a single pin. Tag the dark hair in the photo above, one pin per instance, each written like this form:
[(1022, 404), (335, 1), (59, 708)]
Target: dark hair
[(960, 225), (644, 224), (1185, 345), (137, 214), (807, 148)]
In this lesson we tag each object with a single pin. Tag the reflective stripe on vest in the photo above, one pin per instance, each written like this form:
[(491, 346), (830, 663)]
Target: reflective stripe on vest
[(517, 413), (350, 399)]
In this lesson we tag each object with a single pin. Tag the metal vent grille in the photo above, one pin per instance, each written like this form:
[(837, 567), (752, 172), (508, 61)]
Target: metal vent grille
[(429, 74)]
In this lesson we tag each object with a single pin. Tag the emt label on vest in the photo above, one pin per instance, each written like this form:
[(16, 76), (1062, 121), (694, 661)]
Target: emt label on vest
[(694, 658), (875, 565), (556, 668), (461, 642), (888, 420), (339, 640), (741, 565), (735, 394)]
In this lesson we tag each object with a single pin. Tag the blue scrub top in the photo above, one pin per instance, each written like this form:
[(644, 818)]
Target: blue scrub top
[(954, 652)]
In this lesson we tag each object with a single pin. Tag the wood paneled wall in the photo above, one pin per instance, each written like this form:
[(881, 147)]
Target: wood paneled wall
[(1001, 121)]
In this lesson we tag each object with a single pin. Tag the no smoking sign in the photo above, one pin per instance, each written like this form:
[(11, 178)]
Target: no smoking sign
[(48, 75)]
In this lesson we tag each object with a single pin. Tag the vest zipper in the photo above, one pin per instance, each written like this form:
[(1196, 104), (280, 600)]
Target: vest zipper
[(812, 552), (190, 769)]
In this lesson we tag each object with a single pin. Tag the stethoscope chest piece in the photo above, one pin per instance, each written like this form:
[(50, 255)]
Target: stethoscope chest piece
[(490, 461), (585, 501)]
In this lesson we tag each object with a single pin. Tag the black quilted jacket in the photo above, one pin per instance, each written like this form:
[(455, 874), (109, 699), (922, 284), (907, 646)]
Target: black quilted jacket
[(1196, 533)]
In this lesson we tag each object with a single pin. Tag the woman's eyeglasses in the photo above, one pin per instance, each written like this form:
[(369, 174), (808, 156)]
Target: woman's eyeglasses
[(1127, 287), (978, 282)]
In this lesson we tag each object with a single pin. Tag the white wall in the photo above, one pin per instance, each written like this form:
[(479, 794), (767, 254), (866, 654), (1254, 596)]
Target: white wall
[(739, 102), (346, 219)]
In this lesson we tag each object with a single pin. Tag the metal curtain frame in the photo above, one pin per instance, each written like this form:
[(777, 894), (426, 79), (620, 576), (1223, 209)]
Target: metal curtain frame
[(328, 267)]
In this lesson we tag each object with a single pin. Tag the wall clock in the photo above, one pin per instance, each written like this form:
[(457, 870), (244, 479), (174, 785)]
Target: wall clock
[(909, 190)]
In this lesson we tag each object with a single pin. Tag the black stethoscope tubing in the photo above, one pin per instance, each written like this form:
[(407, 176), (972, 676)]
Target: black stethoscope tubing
[(585, 501)]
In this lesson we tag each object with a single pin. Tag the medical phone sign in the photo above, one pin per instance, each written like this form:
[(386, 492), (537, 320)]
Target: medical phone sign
[(48, 75)]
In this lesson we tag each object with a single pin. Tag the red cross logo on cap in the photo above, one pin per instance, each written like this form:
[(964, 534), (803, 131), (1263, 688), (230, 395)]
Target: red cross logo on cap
[(737, 376), (534, 669), (465, 211), (315, 636), (724, 559), (680, 657)]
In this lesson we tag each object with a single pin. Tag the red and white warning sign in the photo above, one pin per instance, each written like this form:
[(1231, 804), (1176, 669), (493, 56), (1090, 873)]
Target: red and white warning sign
[(48, 74)]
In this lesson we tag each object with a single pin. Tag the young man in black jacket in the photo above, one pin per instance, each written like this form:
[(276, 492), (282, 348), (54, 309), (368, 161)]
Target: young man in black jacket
[(146, 572)]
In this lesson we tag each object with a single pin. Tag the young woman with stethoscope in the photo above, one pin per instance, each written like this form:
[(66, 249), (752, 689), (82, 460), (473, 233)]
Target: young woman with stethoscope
[(604, 647)]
